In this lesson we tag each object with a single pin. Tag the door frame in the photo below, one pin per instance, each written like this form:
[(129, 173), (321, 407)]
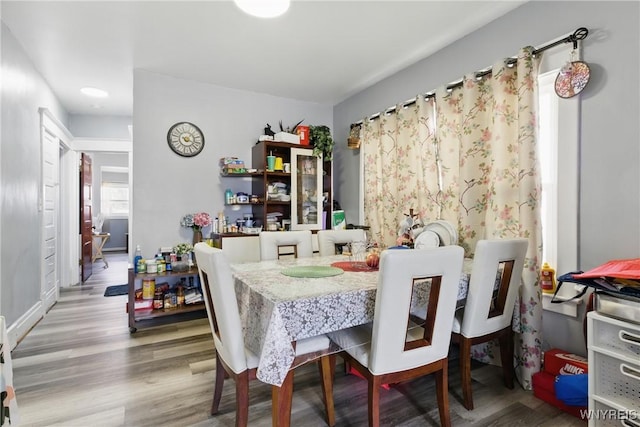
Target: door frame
[(49, 124), (110, 145)]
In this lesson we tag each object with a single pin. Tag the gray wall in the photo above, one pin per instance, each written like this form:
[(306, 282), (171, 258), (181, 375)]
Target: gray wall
[(105, 127), (167, 186), (23, 92), (609, 213)]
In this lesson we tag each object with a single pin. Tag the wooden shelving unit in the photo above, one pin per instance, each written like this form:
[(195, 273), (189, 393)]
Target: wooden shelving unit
[(150, 317)]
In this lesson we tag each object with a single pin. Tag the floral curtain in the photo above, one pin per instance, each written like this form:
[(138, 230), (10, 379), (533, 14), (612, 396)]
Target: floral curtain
[(478, 170), (487, 137), (399, 171)]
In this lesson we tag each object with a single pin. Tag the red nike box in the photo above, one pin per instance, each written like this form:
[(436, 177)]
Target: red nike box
[(560, 362), (543, 388)]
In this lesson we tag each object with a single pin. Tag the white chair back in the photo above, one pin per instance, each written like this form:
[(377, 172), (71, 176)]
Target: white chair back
[(272, 241), (488, 310), (328, 239), (222, 306), (390, 349)]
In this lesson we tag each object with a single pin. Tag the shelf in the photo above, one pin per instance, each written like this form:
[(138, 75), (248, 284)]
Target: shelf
[(243, 174), (192, 271), (152, 317), (152, 314), (243, 204)]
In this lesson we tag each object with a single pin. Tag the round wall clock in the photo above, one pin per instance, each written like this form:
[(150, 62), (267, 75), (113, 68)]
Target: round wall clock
[(185, 139)]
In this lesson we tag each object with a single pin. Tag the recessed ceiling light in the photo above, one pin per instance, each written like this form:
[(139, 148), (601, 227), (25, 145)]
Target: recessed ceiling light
[(263, 8), (95, 92)]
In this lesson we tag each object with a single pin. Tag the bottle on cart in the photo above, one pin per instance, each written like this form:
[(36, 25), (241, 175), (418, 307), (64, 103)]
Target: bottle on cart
[(136, 259), (180, 296)]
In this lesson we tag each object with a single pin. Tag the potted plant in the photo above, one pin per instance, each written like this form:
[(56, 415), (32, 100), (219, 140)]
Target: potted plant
[(320, 138)]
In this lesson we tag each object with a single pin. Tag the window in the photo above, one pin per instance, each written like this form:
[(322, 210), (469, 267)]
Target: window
[(558, 138), (548, 150), (114, 192)]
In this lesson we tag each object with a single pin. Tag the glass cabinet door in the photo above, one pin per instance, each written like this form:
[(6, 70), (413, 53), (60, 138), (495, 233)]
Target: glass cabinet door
[(306, 190)]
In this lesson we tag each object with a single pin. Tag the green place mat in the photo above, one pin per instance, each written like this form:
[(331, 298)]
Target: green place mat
[(312, 271)]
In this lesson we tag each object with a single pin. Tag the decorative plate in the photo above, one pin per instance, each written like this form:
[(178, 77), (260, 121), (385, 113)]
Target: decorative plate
[(451, 229), (353, 266), (441, 231), (427, 239), (572, 78), (312, 271)]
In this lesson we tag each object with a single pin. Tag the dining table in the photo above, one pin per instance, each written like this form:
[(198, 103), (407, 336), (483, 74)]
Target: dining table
[(277, 309)]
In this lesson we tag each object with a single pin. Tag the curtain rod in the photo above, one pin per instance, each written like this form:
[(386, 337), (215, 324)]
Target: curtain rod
[(579, 34)]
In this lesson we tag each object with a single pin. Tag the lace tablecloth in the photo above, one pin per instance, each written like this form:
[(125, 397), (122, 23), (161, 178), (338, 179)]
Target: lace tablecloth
[(276, 309)]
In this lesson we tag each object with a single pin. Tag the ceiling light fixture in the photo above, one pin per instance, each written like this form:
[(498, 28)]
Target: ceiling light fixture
[(94, 92), (263, 8)]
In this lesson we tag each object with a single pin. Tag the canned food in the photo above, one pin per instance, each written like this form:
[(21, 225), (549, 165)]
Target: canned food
[(152, 267), (158, 300), (142, 266), (148, 288)]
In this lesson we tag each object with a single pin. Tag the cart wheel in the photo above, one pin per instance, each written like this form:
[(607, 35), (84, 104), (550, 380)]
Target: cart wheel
[(132, 329)]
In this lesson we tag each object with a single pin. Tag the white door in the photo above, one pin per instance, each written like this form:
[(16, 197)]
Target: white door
[(50, 207)]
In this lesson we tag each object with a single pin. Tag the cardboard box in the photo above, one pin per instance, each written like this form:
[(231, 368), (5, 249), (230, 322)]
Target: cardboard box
[(303, 133), (338, 221), (291, 138), (543, 388), (560, 362)]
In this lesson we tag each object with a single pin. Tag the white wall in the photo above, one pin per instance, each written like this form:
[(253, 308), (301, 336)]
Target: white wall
[(167, 186), (609, 214), (23, 92)]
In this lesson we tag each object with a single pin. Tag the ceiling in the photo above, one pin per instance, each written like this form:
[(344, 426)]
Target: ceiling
[(319, 51)]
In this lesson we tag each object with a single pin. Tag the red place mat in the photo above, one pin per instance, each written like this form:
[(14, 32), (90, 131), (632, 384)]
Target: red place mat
[(353, 266)]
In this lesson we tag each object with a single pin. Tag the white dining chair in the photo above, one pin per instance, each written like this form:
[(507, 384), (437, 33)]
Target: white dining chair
[(392, 349), (488, 311), (237, 361), (328, 239), (297, 243)]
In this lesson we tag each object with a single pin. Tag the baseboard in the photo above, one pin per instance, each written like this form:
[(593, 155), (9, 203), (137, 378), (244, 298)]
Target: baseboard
[(21, 327)]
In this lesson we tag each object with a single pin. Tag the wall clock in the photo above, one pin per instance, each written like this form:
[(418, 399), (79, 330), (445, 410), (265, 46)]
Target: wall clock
[(185, 139)]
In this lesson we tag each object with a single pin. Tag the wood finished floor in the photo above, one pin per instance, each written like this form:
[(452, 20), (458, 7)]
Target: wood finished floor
[(80, 366)]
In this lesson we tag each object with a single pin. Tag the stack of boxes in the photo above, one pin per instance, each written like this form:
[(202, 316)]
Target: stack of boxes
[(558, 362), (231, 165)]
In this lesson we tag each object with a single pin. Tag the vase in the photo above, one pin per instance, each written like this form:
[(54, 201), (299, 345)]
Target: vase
[(197, 236)]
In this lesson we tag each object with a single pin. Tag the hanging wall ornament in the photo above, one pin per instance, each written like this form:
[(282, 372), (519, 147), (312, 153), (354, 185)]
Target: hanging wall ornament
[(353, 141), (572, 78)]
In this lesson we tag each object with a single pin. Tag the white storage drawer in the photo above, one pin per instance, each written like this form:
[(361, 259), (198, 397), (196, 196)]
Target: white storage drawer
[(614, 335), (616, 380), (609, 416)]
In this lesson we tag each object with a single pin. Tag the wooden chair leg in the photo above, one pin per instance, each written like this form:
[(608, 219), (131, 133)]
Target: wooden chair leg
[(242, 399), (506, 357), (327, 366), (442, 391), (465, 372), (217, 388), (374, 402), (281, 402)]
